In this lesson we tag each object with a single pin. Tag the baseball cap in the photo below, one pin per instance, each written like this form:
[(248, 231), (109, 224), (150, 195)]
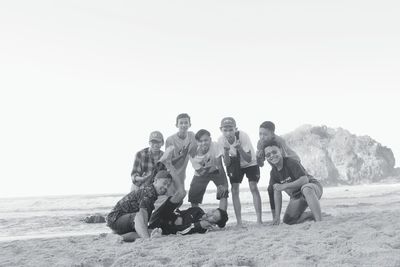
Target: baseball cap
[(157, 136), (228, 121)]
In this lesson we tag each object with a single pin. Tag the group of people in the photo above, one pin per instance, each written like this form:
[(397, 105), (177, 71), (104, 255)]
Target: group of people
[(158, 179)]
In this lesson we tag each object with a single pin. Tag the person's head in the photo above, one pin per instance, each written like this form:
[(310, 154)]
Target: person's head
[(161, 182), (216, 216), (267, 131), (228, 128), (203, 138), (156, 141), (183, 122), (273, 152)]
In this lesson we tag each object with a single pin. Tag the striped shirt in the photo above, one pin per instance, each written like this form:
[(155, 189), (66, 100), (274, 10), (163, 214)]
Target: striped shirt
[(145, 165)]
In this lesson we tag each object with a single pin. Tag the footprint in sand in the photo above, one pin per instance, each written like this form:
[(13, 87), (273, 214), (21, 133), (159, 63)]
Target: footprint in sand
[(244, 261)]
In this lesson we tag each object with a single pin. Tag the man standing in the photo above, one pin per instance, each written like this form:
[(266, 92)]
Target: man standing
[(145, 164), (240, 159), (177, 149), (207, 163)]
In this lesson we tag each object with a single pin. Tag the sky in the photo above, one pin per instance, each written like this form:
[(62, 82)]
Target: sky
[(83, 83)]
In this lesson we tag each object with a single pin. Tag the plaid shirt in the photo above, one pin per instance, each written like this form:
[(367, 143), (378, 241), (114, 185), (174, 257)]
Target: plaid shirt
[(132, 202), (145, 165)]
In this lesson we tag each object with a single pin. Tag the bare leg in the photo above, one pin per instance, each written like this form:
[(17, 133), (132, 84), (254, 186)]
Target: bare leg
[(236, 203), (306, 216), (312, 202), (223, 203), (256, 200), (294, 210)]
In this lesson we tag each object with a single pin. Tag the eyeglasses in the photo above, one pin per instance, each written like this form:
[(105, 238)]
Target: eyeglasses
[(269, 154)]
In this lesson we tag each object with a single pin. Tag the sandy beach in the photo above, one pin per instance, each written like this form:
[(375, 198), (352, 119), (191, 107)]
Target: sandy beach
[(361, 227)]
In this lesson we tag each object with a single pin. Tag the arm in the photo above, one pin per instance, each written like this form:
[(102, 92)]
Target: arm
[(297, 184), (136, 173), (223, 203), (141, 220), (197, 227), (179, 160), (246, 156), (271, 199), (227, 158)]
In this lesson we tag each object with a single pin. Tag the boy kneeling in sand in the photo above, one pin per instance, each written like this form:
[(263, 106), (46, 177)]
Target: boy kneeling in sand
[(192, 220), (130, 215), (290, 176)]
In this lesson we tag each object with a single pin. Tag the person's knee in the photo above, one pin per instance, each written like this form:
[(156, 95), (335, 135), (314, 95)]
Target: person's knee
[(222, 191), (253, 187), (307, 190), (235, 189), (289, 220)]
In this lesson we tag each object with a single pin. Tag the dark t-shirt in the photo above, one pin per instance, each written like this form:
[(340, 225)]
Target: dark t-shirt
[(132, 202), (173, 221), (290, 172)]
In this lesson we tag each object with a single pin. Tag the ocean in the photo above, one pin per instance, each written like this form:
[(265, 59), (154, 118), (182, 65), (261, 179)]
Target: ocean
[(52, 216)]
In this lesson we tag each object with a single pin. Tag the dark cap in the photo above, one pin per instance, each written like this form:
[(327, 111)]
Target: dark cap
[(157, 136), (228, 122)]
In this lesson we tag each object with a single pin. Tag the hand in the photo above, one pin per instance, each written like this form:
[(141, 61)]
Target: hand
[(260, 154), (157, 232), (236, 144), (276, 221), (279, 187), (206, 225), (185, 150)]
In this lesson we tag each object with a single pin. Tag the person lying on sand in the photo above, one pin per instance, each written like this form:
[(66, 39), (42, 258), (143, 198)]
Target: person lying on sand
[(129, 217), (290, 176), (192, 220)]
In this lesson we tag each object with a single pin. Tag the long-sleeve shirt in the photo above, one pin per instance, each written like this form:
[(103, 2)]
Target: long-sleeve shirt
[(145, 165)]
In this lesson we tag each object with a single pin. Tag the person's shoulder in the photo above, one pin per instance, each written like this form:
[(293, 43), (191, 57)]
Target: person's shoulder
[(143, 151), (279, 139), (290, 162), (149, 191), (220, 139), (243, 135), (171, 137)]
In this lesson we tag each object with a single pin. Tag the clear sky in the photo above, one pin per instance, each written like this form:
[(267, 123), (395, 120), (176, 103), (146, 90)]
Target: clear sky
[(83, 83)]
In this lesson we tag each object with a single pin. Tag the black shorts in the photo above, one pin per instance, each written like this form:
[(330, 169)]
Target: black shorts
[(164, 213), (252, 173)]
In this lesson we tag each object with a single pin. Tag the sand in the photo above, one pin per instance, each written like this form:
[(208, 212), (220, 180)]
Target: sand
[(360, 228)]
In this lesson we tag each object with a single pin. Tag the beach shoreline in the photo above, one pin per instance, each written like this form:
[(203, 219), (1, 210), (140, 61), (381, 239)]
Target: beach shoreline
[(360, 227)]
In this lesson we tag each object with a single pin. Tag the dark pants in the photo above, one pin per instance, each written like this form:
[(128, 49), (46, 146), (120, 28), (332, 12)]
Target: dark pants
[(124, 224)]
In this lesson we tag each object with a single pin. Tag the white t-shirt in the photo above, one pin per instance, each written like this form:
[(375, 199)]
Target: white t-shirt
[(246, 145), (173, 145), (210, 159)]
